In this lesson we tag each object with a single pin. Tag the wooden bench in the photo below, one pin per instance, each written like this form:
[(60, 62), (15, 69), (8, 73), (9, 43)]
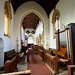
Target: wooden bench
[(40, 53), (9, 55), (11, 65), (36, 47)]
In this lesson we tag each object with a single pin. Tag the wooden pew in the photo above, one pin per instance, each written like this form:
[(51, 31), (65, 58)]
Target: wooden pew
[(27, 72), (51, 62), (34, 47), (40, 53), (11, 65), (9, 55)]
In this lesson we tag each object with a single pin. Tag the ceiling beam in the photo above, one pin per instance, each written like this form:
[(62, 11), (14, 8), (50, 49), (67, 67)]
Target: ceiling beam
[(37, 19), (27, 21), (32, 22), (30, 27)]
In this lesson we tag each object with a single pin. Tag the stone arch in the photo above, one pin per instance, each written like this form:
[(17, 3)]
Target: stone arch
[(21, 12), (36, 13), (1, 52)]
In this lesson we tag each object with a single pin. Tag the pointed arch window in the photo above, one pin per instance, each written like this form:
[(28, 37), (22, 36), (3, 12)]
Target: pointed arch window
[(7, 18), (55, 20)]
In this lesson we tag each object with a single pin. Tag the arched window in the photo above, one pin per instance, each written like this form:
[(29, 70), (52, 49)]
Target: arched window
[(57, 24), (55, 20), (7, 18)]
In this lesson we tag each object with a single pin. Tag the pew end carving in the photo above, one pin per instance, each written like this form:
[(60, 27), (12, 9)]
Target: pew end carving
[(11, 65), (51, 61)]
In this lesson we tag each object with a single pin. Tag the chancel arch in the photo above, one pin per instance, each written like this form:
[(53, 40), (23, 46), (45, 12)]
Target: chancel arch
[(36, 13), (25, 9)]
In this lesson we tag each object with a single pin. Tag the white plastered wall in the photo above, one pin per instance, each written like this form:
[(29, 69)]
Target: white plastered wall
[(67, 15), (39, 30), (67, 11), (8, 42), (52, 40), (27, 7)]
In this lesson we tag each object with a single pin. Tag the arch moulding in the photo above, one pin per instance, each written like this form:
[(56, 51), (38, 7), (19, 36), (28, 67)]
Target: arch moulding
[(38, 14)]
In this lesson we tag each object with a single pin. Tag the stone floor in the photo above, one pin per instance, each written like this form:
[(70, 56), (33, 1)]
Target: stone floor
[(22, 66), (2, 70), (63, 72)]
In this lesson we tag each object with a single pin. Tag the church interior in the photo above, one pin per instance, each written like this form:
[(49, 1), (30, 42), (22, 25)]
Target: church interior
[(37, 37)]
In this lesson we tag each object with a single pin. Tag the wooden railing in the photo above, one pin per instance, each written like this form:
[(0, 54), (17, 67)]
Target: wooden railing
[(27, 72)]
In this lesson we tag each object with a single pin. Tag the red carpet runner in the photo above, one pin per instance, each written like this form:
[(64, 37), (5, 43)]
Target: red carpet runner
[(36, 65)]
